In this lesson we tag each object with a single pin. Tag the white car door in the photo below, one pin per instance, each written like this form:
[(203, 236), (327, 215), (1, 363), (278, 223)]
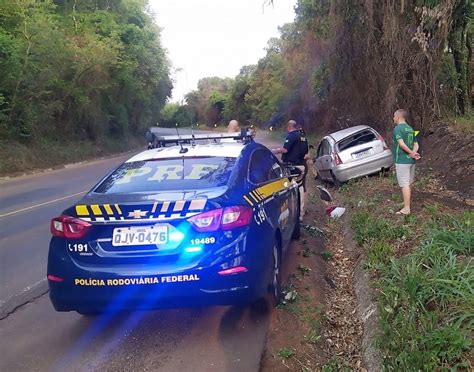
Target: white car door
[(324, 161)]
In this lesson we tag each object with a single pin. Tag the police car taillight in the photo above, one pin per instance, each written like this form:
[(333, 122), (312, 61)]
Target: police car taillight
[(69, 227), (207, 221), (223, 218), (236, 217)]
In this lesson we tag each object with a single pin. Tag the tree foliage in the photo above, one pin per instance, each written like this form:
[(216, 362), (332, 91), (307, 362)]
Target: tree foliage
[(79, 69), (394, 54), (206, 104), (342, 63)]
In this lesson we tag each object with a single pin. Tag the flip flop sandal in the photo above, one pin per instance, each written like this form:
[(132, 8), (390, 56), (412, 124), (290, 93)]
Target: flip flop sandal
[(402, 213)]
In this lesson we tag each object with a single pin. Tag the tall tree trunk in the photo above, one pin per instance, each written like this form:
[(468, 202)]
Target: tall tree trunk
[(469, 61), (457, 41), (461, 81)]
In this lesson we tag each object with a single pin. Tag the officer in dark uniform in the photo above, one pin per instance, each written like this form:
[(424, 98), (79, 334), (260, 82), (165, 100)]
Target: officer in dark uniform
[(295, 151), (295, 147)]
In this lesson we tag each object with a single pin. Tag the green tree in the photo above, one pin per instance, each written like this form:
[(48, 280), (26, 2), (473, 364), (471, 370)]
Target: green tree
[(79, 69), (208, 102), (168, 115)]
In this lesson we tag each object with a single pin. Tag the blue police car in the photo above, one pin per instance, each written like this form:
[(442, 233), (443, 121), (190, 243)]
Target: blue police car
[(204, 221)]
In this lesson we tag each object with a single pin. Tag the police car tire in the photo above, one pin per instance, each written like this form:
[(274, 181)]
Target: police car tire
[(260, 306), (297, 230), (275, 293)]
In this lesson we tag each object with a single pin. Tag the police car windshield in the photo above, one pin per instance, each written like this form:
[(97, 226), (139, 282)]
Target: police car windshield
[(168, 174)]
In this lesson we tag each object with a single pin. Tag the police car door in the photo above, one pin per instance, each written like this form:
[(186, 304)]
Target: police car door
[(272, 187), (288, 199)]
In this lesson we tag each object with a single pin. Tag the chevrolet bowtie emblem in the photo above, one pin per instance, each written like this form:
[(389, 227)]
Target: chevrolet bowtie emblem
[(137, 213)]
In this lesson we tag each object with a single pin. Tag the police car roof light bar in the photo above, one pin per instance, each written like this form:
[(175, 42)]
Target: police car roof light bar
[(189, 138)]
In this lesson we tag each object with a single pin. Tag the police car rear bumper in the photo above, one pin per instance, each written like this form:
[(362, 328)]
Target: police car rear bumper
[(86, 290), (141, 300)]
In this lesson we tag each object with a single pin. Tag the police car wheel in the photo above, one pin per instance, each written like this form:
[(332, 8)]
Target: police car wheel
[(260, 306), (275, 294), (297, 230)]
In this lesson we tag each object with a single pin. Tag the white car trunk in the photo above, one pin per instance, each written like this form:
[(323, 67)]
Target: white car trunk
[(359, 146)]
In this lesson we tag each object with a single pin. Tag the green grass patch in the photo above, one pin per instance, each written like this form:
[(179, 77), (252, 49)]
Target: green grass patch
[(286, 353), (426, 297), (378, 253), (369, 228), (326, 255), (427, 300)]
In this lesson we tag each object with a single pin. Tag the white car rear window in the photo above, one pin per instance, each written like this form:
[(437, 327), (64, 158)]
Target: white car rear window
[(356, 139)]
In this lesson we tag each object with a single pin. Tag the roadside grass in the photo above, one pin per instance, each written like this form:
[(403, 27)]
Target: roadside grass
[(423, 270), (17, 157)]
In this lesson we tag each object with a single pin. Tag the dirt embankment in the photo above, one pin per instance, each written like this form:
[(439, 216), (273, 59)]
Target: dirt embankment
[(449, 152)]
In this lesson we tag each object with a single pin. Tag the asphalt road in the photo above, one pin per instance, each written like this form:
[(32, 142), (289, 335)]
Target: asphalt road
[(35, 337), (27, 205)]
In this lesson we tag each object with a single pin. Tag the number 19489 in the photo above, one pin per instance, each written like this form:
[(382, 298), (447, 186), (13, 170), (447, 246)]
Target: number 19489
[(208, 240)]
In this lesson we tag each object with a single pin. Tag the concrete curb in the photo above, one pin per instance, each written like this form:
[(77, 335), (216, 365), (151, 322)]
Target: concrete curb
[(366, 308), (369, 315)]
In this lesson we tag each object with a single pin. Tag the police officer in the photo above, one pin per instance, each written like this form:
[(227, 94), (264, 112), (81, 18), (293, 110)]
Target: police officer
[(295, 152)]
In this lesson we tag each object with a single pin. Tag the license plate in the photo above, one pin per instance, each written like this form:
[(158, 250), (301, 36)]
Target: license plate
[(144, 235), (361, 154)]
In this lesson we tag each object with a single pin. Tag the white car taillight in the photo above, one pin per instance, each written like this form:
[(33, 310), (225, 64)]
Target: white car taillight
[(337, 159), (380, 138)]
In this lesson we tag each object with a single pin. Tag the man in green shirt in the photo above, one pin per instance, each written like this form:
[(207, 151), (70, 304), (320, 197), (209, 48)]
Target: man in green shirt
[(405, 152)]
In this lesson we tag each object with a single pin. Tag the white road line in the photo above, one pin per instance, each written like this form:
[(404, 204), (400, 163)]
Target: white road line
[(41, 204)]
